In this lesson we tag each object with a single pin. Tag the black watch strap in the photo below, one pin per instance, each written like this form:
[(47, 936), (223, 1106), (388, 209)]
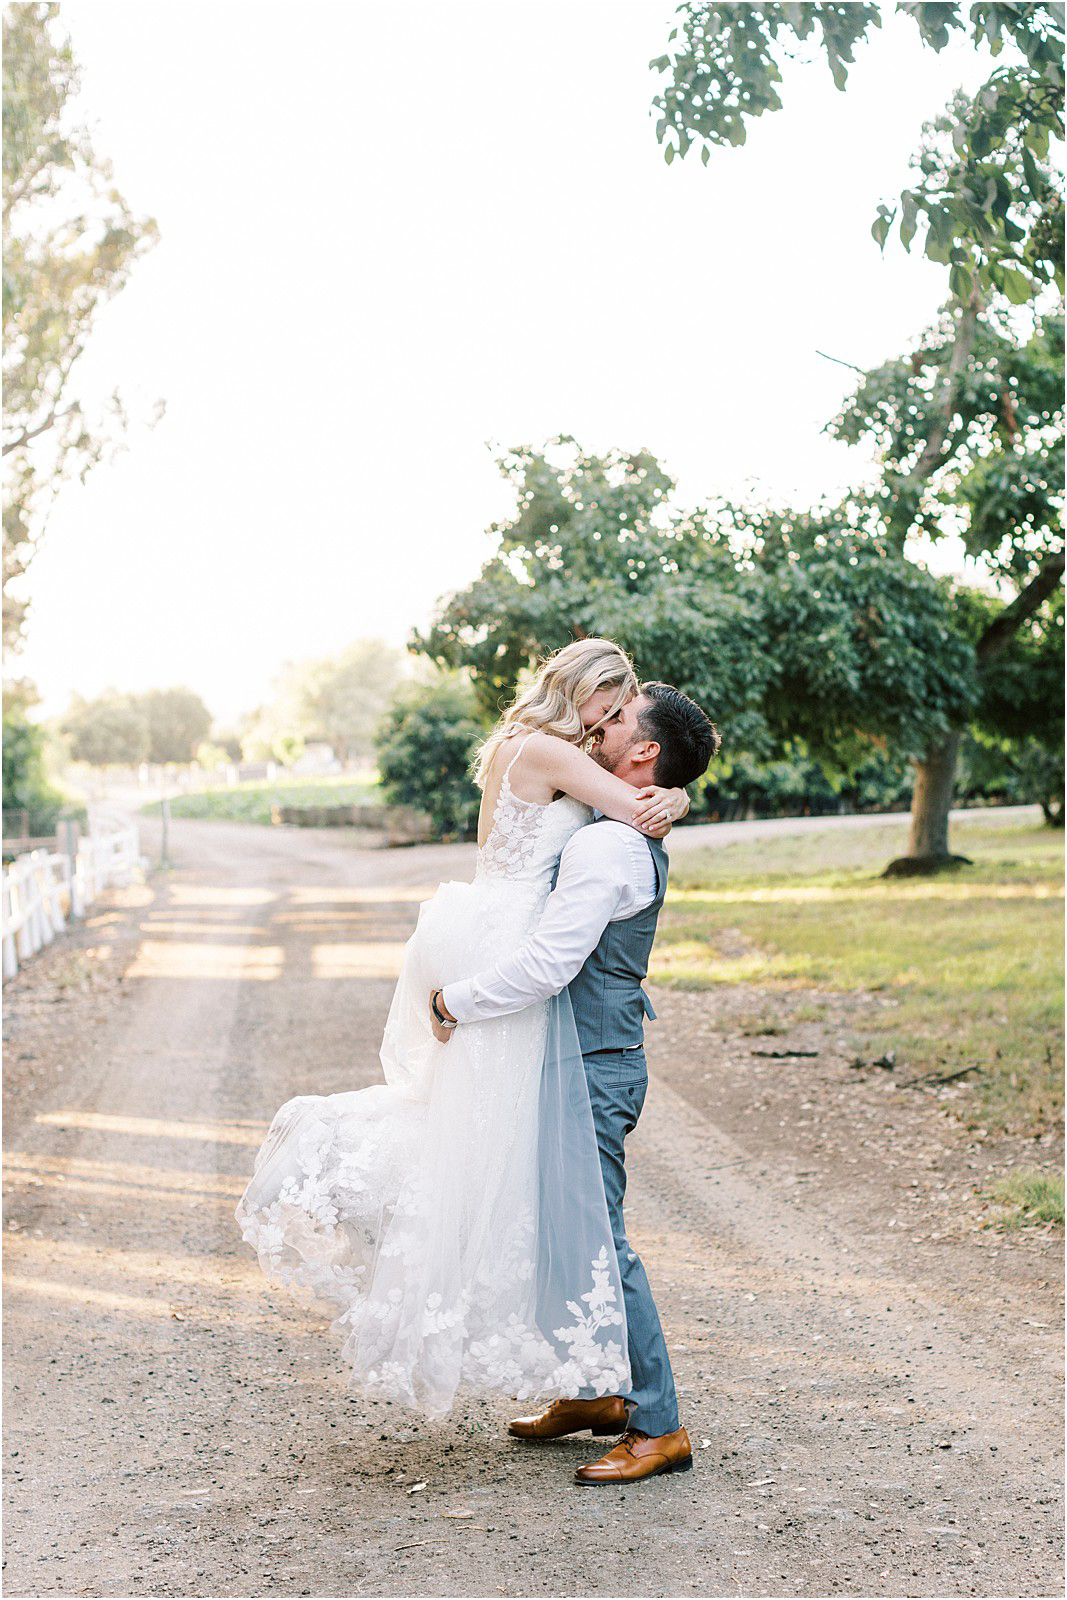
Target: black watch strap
[(446, 1022)]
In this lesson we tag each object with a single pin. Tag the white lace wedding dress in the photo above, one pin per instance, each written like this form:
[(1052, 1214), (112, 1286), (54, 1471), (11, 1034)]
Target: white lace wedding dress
[(454, 1216)]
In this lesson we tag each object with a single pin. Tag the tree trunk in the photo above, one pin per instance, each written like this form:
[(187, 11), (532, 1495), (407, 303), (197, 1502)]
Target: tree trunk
[(935, 775), (935, 780)]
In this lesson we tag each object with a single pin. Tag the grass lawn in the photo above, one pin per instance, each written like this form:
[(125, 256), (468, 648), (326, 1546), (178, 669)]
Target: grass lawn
[(252, 802), (1027, 1196), (972, 959)]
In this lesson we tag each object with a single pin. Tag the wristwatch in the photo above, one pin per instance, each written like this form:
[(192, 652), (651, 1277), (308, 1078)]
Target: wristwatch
[(445, 1022)]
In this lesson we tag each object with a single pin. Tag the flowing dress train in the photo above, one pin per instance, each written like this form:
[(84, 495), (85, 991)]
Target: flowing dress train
[(453, 1217)]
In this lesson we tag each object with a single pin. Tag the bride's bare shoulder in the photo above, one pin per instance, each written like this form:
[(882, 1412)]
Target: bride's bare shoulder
[(549, 750), (507, 748)]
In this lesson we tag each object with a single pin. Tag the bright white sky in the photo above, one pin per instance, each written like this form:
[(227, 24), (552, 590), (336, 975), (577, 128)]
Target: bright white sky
[(391, 233)]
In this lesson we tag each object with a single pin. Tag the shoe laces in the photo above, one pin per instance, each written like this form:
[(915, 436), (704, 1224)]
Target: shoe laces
[(630, 1438)]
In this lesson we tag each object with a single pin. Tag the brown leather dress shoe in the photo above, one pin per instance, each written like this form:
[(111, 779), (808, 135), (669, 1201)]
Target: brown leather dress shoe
[(601, 1417), (638, 1456)]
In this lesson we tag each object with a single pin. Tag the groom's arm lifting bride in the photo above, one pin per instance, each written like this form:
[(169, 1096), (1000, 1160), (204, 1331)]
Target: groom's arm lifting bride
[(596, 936)]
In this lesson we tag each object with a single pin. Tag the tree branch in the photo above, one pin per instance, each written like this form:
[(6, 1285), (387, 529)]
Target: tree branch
[(839, 363), (31, 433), (1002, 629), (961, 351)]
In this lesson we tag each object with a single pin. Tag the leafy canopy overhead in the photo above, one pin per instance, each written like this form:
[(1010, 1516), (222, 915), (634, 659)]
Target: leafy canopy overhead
[(990, 203), (990, 465)]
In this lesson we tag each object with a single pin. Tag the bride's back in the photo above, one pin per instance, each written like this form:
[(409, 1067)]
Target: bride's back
[(520, 839), (522, 784)]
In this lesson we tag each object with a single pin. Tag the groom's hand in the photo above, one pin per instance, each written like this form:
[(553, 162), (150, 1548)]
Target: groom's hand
[(440, 1032)]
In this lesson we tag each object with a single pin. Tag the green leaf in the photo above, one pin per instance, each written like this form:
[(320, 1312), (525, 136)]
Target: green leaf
[(705, 154), (1016, 286), (910, 217), (960, 282), (669, 154), (1032, 172), (838, 69), (1004, 197)]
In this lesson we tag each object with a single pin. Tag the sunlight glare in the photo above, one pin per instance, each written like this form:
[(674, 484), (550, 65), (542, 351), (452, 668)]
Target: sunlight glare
[(369, 959), (207, 958), (194, 894), (152, 1127), (412, 894)]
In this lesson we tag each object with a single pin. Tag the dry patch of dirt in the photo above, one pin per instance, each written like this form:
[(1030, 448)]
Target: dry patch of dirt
[(898, 1165), (56, 1002)]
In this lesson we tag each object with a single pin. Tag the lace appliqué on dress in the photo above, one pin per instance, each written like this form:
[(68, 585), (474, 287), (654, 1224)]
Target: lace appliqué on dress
[(509, 850), (412, 1207)]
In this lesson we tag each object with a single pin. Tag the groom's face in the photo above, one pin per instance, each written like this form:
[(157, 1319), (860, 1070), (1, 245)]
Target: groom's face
[(617, 737)]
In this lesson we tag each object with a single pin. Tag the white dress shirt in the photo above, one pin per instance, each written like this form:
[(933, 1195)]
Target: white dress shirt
[(606, 874)]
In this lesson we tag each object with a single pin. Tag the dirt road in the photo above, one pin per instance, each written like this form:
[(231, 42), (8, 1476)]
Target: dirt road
[(869, 1416)]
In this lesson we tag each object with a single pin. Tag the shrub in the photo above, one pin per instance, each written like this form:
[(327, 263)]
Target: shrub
[(426, 742), (26, 785)]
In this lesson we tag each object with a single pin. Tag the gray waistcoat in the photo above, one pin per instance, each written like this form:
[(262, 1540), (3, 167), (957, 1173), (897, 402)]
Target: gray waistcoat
[(609, 1003)]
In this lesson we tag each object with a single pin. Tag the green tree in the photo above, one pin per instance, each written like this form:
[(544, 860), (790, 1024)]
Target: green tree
[(337, 699), (177, 722), (111, 730), (426, 743), (594, 548), (345, 695), (991, 470), (970, 427), (70, 244), (1021, 709), (224, 746), (26, 785), (866, 645), (990, 208), (785, 627)]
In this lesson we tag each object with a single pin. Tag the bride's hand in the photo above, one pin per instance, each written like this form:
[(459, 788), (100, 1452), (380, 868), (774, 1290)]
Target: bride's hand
[(657, 809)]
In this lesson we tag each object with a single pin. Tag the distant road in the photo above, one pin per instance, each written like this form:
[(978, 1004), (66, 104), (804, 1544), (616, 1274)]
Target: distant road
[(721, 833), (437, 861)]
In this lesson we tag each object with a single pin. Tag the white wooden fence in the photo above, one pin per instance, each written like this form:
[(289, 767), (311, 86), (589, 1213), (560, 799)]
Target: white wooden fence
[(43, 889)]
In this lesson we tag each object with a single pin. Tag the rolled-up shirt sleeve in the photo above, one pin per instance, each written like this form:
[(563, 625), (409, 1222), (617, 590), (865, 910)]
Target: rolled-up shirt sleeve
[(601, 878)]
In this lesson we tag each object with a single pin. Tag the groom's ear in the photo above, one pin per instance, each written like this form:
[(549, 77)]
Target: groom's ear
[(646, 753)]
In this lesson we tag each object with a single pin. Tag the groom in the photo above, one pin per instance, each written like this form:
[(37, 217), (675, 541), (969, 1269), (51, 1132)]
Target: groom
[(595, 935)]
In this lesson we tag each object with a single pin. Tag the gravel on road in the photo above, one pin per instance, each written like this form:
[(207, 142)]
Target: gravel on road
[(870, 1382)]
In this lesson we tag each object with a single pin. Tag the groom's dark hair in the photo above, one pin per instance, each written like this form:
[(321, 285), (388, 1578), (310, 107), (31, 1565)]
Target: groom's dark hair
[(687, 738)]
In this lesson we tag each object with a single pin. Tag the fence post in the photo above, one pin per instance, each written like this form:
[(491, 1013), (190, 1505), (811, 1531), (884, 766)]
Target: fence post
[(68, 844), (35, 884), (10, 912), (24, 910), (164, 860)]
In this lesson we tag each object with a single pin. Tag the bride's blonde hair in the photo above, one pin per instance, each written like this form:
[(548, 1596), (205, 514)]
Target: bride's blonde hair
[(564, 682)]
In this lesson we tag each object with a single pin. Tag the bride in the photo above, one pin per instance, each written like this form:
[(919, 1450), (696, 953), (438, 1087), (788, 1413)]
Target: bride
[(454, 1217)]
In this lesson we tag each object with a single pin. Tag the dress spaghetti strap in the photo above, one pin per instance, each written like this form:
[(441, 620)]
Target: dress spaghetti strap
[(515, 757)]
